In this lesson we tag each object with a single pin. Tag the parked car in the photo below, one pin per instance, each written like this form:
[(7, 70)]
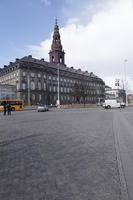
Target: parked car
[(43, 108)]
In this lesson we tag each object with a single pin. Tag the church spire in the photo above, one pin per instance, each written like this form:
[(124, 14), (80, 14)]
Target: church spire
[(56, 22), (56, 53)]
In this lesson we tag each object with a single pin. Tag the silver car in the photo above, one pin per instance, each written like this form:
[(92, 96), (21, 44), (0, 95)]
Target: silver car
[(43, 108)]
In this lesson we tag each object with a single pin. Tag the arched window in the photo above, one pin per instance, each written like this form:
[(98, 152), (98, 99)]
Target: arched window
[(32, 85), (60, 59), (52, 58)]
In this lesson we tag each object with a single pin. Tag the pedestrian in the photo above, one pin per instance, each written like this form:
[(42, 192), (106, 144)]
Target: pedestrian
[(4, 105), (9, 108)]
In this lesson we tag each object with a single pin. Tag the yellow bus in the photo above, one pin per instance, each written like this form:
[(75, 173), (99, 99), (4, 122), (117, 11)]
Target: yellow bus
[(15, 104)]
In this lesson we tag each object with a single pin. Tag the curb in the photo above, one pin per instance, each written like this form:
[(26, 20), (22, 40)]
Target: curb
[(123, 186)]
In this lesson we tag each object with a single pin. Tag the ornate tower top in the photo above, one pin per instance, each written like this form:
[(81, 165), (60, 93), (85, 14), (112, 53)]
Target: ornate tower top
[(56, 22), (56, 53)]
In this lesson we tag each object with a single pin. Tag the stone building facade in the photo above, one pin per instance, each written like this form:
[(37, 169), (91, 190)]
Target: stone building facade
[(37, 80)]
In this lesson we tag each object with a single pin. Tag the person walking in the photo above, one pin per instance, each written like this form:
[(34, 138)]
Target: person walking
[(9, 108), (4, 105)]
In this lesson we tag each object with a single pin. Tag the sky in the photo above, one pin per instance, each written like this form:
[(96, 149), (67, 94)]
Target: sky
[(97, 35)]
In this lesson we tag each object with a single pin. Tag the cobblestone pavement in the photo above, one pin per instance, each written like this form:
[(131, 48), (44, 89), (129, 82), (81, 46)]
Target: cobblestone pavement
[(58, 155)]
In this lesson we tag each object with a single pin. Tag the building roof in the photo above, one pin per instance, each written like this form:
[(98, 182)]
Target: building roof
[(42, 62)]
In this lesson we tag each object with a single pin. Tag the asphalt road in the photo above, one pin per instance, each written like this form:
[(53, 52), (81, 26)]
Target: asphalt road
[(84, 154)]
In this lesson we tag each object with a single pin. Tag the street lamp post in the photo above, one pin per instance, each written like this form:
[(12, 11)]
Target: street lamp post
[(28, 77), (125, 86), (58, 100)]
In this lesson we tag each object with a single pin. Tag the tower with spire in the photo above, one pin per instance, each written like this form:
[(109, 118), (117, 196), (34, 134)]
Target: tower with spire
[(56, 54)]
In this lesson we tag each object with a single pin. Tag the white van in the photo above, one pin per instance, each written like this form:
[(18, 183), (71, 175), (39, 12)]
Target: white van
[(113, 103)]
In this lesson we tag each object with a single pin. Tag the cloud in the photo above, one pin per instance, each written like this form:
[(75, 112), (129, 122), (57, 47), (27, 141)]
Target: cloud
[(46, 2), (102, 44), (40, 51)]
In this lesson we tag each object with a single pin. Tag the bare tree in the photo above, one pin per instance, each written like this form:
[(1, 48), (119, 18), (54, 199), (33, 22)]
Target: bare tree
[(80, 92)]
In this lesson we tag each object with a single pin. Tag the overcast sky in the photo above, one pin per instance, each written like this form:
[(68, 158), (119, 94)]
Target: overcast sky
[(97, 35)]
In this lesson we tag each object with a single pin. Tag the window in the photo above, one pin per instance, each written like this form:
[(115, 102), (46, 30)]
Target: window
[(24, 97), (49, 77), (32, 85), (17, 85), (54, 88), (39, 85), (40, 97), (32, 74), (55, 97), (50, 88), (23, 86), (39, 75), (33, 97), (54, 78), (44, 76), (64, 89), (44, 86), (62, 98), (61, 89)]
